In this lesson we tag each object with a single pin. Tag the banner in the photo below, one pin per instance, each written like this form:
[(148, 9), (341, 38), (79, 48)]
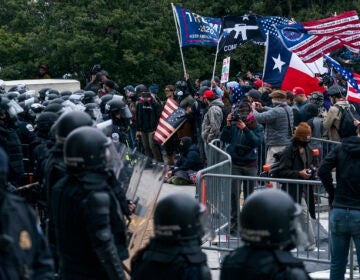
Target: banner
[(238, 30), (196, 29), (225, 70)]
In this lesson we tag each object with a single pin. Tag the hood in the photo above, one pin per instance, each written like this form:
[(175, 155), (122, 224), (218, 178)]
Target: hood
[(352, 145), (217, 102), (187, 141)]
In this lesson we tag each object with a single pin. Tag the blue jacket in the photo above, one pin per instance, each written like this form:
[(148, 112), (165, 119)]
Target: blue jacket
[(190, 160), (243, 144)]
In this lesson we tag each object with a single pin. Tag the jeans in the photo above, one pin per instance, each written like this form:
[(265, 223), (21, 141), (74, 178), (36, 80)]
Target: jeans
[(247, 187), (344, 224)]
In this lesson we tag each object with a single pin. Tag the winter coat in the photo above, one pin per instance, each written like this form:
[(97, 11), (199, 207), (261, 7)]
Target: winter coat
[(345, 157), (276, 124), (147, 116), (331, 122), (290, 165), (243, 144), (190, 160), (210, 128)]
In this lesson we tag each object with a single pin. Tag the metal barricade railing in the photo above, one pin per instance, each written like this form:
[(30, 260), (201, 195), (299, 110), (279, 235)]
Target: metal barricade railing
[(219, 201), (218, 162)]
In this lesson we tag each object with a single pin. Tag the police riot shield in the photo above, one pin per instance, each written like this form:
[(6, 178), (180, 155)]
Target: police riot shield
[(144, 189)]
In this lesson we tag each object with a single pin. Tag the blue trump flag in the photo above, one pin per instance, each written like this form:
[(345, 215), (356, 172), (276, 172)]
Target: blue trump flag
[(196, 29)]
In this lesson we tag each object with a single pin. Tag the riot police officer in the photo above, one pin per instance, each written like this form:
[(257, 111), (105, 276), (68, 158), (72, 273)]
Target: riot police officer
[(270, 228), (120, 115), (23, 250), (89, 224), (175, 251), (55, 167), (10, 142)]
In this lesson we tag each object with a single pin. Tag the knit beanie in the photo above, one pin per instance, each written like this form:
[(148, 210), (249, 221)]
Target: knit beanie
[(303, 132)]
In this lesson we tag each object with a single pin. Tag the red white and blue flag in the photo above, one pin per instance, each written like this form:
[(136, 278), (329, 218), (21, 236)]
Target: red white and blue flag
[(285, 70), (353, 79), (311, 40), (172, 117)]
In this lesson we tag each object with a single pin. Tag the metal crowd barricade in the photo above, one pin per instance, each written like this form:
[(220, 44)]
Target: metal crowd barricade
[(216, 194)]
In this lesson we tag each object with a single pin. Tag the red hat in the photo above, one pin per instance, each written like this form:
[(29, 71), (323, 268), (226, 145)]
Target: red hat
[(259, 83), (298, 90), (209, 94)]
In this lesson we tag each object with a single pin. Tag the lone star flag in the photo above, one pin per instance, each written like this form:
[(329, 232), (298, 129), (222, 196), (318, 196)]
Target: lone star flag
[(285, 70), (172, 117)]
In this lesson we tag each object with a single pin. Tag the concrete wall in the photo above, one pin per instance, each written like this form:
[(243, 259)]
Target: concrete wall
[(58, 84)]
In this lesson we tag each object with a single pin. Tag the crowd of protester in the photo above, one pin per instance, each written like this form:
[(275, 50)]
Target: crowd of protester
[(247, 115)]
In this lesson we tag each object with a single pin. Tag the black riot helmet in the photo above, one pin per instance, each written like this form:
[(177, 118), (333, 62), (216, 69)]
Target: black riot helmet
[(105, 99), (93, 110), (45, 121), (20, 88), (271, 218), (42, 93), (179, 216), (10, 113), (117, 106), (70, 121), (87, 148), (89, 97)]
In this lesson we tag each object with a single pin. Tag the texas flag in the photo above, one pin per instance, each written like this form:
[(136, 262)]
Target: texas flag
[(285, 70)]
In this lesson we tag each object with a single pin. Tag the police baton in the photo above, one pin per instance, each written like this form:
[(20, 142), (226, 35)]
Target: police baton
[(28, 186)]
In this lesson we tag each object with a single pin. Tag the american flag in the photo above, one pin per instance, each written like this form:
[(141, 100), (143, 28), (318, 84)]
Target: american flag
[(345, 27), (311, 40), (353, 79), (267, 25), (171, 119)]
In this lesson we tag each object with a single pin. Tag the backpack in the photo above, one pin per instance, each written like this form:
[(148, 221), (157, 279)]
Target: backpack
[(347, 127)]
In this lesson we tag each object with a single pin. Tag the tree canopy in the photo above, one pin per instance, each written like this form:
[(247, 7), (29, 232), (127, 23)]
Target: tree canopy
[(135, 41)]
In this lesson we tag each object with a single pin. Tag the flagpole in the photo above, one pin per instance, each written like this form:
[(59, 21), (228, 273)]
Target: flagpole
[(265, 56), (179, 38), (216, 55)]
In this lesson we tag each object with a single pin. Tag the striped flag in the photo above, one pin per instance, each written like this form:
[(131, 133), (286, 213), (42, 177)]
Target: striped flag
[(172, 117), (353, 79), (267, 24), (311, 40), (352, 93)]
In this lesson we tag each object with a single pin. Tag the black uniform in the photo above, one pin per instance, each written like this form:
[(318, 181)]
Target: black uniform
[(23, 251), (10, 142), (262, 264), (88, 224), (164, 259), (175, 251)]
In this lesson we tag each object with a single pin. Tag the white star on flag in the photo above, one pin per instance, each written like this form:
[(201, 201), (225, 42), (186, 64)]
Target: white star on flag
[(278, 63)]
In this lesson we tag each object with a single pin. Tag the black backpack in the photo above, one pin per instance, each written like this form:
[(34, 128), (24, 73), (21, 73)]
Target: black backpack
[(347, 127)]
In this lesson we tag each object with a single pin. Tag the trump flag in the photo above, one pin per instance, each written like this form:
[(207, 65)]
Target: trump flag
[(172, 117)]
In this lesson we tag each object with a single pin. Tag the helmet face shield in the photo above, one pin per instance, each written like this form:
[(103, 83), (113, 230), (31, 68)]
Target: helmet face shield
[(114, 158), (205, 223), (298, 231), (14, 108)]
